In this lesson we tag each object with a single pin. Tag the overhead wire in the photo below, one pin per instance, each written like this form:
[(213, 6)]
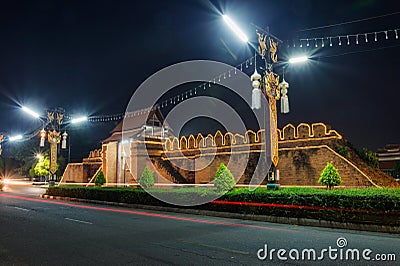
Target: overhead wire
[(350, 22)]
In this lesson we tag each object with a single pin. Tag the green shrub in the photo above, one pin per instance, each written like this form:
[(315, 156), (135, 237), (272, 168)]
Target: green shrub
[(330, 176), (99, 180), (368, 157), (147, 178), (344, 151), (224, 180), (343, 205)]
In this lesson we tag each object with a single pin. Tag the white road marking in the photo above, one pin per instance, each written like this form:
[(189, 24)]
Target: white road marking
[(22, 209), (78, 221)]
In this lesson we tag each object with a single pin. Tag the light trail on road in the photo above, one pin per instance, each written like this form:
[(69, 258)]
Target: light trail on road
[(148, 214)]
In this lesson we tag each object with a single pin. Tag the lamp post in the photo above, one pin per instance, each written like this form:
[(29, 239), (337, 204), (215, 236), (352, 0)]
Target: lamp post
[(52, 128), (55, 120), (268, 85)]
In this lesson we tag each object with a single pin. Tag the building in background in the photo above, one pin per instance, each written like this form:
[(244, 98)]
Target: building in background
[(388, 157)]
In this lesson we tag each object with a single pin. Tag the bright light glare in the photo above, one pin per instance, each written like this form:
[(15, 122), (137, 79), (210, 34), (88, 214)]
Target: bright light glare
[(79, 119), (14, 138), (235, 28), (299, 59), (39, 156), (31, 112)]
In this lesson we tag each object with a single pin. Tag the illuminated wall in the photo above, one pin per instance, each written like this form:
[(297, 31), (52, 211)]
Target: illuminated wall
[(304, 151)]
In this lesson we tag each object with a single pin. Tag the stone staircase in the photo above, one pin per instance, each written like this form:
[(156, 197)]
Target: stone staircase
[(165, 168)]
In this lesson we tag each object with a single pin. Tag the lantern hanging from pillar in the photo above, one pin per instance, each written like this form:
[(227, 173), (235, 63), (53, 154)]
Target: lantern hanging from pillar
[(255, 83), (42, 137), (256, 93), (64, 140), (284, 97)]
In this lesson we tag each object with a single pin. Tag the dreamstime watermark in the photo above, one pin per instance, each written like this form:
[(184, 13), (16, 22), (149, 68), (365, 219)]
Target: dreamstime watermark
[(194, 103), (338, 252)]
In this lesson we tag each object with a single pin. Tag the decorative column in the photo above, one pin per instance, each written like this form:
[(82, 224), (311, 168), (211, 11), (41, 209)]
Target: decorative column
[(53, 138), (1, 140), (273, 94), (272, 91)]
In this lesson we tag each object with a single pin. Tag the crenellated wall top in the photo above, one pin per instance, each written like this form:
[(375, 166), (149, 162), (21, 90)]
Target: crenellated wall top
[(289, 133), (305, 131)]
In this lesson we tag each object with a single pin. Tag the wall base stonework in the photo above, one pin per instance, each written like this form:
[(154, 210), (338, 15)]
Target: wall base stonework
[(82, 172), (302, 167)]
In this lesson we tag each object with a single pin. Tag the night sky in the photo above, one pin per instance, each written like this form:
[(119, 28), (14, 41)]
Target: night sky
[(89, 56)]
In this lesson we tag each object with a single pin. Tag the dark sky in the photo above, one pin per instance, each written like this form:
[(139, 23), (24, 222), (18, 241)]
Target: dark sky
[(89, 56)]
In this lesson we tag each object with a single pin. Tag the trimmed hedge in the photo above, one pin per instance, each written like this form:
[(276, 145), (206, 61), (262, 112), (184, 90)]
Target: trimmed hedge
[(372, 206)]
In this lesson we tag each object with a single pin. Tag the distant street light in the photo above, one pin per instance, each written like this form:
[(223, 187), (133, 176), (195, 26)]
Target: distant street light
[(39, 156)]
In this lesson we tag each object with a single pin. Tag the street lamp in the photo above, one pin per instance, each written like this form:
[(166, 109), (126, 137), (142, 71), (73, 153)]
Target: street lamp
[(79, 119), (235, 28), (298, 59), (30, 112), (269, 86), (15, 138), (52, 129)]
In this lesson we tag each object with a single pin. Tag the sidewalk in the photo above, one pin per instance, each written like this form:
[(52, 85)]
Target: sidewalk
[(260, 218)]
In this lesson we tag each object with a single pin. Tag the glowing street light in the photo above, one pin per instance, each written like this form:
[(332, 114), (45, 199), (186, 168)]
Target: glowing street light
[(235, 28), (268, 84), (53, 125), (39, 156), (298, 59), (15, 138), (30, 112), (79, 120)]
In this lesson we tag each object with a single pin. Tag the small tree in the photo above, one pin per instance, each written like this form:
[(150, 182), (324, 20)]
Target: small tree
[(147, 178), (330, 176), (344, 151), (99, 180), (42, 167), (224, 179)]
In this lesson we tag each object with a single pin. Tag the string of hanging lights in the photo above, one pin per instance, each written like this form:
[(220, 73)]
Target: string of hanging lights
[(173, 100), (205, 85), (345, 39)]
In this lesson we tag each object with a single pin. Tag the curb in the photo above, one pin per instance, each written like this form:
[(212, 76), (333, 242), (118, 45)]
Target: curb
[(259, 218)]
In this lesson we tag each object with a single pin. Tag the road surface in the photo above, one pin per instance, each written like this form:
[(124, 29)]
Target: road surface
[(36, 231)]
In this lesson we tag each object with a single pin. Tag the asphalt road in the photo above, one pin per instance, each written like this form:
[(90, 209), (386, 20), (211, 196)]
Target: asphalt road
[(36, 231)]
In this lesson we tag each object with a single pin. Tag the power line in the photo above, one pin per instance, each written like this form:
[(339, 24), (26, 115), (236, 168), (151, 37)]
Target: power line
[(349, 22)]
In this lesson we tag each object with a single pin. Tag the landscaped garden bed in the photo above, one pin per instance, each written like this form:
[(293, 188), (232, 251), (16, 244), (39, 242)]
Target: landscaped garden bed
[(372, 205)]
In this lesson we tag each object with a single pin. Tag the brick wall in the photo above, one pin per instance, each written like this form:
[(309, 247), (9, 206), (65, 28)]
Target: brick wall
[(304, 151)]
